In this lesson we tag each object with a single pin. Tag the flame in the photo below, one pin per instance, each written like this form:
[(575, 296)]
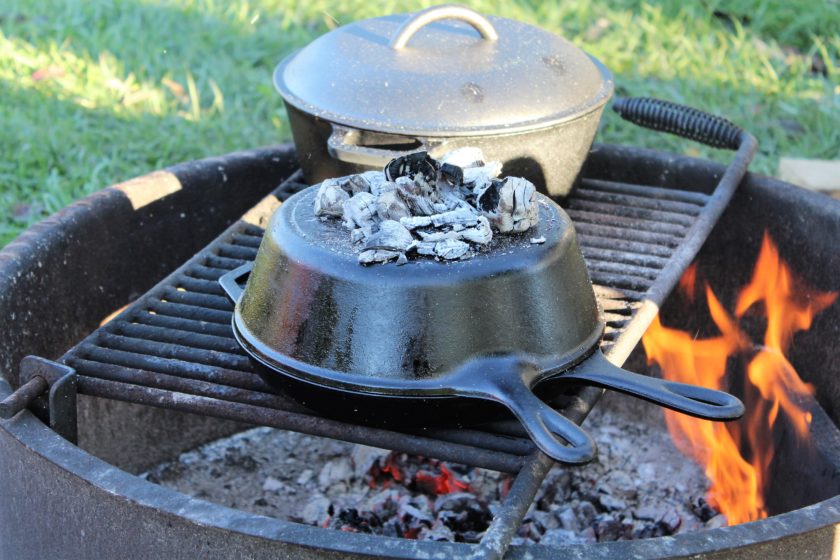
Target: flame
[(737, 456)]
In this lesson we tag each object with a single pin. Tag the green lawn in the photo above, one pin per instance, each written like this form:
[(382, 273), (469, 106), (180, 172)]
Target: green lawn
[(95, 92)]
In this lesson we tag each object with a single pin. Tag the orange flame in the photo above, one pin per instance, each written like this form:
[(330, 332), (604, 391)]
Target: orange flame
[(737, 456)]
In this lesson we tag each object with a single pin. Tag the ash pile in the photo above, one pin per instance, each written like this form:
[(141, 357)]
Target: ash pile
[(640, 486), (421, 207)]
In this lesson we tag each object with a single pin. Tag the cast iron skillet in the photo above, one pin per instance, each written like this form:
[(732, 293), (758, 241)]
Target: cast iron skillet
[(429, 333)]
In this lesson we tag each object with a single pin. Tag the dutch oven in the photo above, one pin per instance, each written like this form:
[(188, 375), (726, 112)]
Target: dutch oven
[(377, 89), (431, 341)]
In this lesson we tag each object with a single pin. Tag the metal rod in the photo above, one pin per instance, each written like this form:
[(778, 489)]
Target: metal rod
[(644, 191), (615, 209), (206, 273), (220, 303), (182, 324), (631, 224), (177, 336), (180, 384), (21, 398), (312, 425), (635, 248), (200, 286), (624, 269), (237, 251), (191, 312), (248, 238), (618, 256), (218, 261), (611, 232), (200, 372), (238, 361)]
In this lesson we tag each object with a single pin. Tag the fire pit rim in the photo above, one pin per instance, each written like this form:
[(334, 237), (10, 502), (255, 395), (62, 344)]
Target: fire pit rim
[(109, 481), (33, 435)]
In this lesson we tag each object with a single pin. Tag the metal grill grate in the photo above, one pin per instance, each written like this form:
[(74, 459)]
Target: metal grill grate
[(174, 348)]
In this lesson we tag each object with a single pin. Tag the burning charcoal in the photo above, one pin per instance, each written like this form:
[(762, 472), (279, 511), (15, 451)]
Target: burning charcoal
[(392, 236), (273, 485), (611, 503), (561, 537), (480, 177), (515, 209), (419, 203), (411, 165), (359, 211), (568, 520), (544, 520), (352, 521), (464, 157), (330, 199), (451, 173), (451, 249), (335, 470), (410, 514), (717, 522), (671, 521), (391, 206), (316, 511), (488, 199), (621, 484), (607, 528), (437, 532), (364, 457), (650, 513), (586, 513), (372, 256), (305, 477), (463, 513), (360, 234), (702, 509)]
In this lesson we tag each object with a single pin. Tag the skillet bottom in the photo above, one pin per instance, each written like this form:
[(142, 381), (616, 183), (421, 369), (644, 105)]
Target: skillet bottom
[(383, 411), (389, 411)]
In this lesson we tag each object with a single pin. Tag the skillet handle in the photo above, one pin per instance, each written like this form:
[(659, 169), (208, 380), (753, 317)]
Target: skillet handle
[(682, 397), (230, 281), (508, 381)]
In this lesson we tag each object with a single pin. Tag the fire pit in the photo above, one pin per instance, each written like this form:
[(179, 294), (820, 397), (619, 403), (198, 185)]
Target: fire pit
[(86, 505)]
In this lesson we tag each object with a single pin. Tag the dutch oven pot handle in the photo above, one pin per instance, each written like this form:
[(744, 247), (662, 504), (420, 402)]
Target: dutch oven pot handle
[(436, 13), (682, 397), (344, 142), (343, 145), (230, 281), (508, 380)]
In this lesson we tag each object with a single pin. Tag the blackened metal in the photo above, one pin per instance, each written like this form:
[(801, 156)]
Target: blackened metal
[(62, 382), (303, 423), (21, 398)]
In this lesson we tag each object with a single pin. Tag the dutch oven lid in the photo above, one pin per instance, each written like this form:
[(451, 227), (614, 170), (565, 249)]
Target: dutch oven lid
[(443, 71)]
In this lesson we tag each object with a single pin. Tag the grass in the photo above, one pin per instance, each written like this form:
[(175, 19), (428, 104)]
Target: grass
[(95, 92)]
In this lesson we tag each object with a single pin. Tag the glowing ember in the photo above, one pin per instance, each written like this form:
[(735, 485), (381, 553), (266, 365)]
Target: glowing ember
[(737, 456)]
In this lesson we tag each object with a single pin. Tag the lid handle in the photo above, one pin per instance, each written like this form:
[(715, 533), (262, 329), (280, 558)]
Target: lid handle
[(436, 13)]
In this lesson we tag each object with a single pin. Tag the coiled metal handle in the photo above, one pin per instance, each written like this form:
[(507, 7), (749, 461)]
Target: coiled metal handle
[(681, 120)]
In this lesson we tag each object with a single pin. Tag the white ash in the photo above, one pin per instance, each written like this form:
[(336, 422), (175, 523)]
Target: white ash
[(448, 208), (640, 486)]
